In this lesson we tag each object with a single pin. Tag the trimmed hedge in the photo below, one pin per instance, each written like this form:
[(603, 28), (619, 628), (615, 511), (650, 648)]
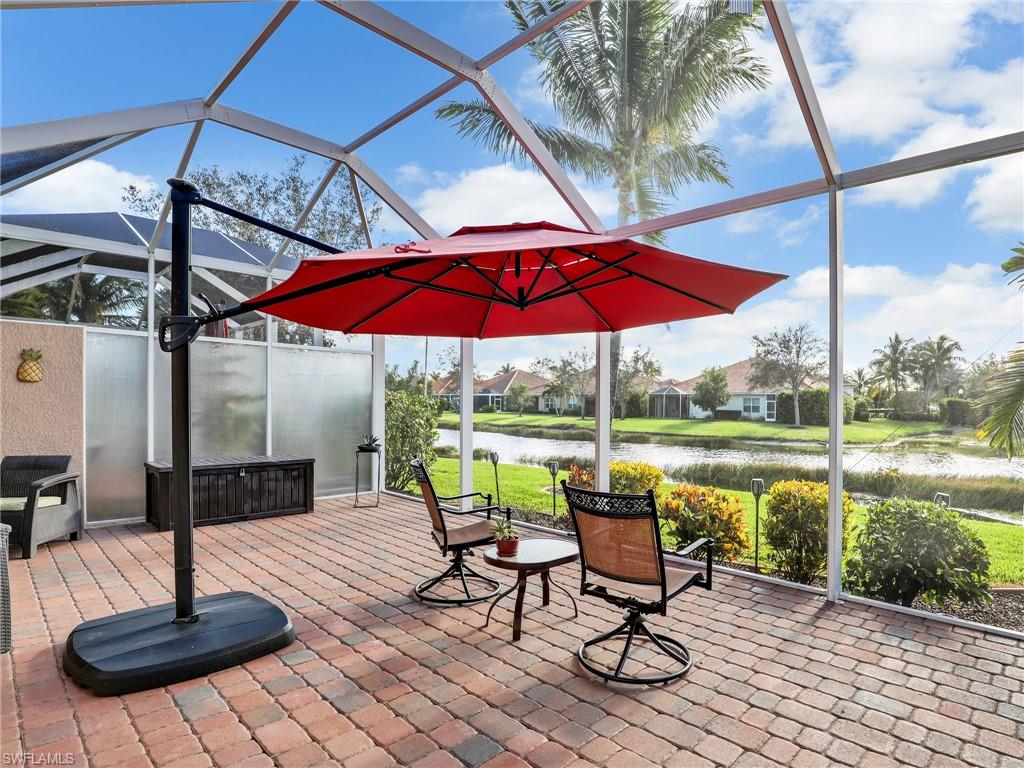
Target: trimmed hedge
[(813, 407), (957, 412), (796, 528), (860, 409), (723, 415)]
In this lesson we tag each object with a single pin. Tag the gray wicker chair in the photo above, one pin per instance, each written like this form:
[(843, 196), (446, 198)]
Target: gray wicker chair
[(5, 592), (40, 500)]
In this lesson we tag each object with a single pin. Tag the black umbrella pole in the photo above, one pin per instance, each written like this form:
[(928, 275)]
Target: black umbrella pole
[(181, 427)]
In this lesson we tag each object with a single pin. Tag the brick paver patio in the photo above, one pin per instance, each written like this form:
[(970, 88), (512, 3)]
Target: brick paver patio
[(376, 678)]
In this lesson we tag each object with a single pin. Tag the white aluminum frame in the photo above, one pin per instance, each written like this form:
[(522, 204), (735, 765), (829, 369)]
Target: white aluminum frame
[(124, 124)]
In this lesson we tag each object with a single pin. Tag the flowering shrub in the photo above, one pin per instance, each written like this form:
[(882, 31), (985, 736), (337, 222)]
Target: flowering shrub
[(634, 477), (624, 477), (581, 477), (795, 527), (910, 548), (690, 512)]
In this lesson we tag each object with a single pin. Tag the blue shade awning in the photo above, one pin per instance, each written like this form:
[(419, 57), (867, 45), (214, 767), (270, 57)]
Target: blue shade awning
[(14, 165)]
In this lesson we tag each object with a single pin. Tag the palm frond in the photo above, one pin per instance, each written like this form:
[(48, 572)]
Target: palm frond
[(478, 121), (1004, 428)]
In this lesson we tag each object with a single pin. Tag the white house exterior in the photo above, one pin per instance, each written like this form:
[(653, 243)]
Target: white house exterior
[(672, 398)]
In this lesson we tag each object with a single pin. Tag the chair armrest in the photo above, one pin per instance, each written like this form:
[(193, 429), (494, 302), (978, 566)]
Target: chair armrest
[(485, 496), (709, 544), (52, 480), (506, 511), (689, 549)]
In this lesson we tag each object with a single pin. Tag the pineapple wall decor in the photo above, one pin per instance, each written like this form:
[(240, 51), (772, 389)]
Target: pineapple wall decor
[(30, 370)]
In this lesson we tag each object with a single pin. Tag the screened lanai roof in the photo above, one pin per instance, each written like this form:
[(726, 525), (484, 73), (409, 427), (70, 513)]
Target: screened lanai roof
[(380, 44)]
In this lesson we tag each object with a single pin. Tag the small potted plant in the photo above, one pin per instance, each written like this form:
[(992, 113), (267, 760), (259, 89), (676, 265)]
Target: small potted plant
[(370, 444), (505, 537)]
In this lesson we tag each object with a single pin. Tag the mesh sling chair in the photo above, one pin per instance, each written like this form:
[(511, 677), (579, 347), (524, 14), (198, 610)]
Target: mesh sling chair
[(622, 563), (39, 499), (455, 541)]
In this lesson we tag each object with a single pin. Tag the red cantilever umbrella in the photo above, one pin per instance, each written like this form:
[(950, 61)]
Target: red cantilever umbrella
[(513, 280)]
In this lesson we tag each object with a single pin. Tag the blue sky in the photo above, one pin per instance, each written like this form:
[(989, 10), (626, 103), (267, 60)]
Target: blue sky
[(922, 253)]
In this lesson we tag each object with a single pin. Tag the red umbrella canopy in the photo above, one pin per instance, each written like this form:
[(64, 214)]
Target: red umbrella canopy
[(511, 280)]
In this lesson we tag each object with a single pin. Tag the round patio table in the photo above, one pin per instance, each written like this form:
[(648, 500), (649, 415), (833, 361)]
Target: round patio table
[(533, 556)]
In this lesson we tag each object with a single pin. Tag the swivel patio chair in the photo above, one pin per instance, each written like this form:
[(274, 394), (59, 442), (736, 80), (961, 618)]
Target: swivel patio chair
[(622, 563), (458, 542), (39, 499)]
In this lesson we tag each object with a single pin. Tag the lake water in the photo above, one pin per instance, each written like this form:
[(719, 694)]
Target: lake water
[(513, 450)]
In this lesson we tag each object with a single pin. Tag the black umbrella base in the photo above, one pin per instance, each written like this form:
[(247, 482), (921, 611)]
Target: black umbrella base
[(143, 649)]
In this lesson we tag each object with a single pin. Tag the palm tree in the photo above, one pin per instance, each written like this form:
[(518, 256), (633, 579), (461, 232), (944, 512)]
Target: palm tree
[(934, 363), (633, 81), (894, 364), (860, 379), (1004, 428), (1005, 395), (506, 368)]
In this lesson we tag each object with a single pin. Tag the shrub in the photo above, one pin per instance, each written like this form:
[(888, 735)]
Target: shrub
[(796, 528), (860, 409), (487, 409), (410, 431), (957, 412), (724, 415), (636, 404), (634, 477), (580, 477), (885, 481), (910, 406), (813, 407), (908, 549), (693, 511), (849, 406)]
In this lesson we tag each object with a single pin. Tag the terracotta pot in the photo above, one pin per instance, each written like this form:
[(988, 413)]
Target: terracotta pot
[(507, 547)]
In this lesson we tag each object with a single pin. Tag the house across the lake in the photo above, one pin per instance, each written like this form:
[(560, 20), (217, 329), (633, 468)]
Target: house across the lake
[(492, 392), (671, 398)]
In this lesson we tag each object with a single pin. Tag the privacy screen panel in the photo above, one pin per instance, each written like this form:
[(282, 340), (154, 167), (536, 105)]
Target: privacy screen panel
[(321, 408)]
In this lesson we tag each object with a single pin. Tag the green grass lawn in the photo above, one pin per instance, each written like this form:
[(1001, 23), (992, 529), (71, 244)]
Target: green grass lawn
[(521, 486), (857, 432)]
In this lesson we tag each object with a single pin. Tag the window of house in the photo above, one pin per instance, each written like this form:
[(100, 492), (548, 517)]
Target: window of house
[(549, 404), (752, 406)]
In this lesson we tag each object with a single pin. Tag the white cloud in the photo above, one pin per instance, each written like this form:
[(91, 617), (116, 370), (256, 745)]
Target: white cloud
[(893, 75), (503, 193), (996, 200), (788, 232), (88, 186), (411, 173)]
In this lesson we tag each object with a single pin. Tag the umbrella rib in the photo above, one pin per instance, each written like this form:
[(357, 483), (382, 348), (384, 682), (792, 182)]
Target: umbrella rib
[(584, 298), (576, 281), (380, 310), (451, 291), (487, 311), (654, 281), (536, 278), (497, 286), (564, 291)]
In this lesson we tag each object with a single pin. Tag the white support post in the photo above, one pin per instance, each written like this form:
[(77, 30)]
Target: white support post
[(151, 332), (602, 411), (377, 423), (268, 321), (466, 421), (835, 396)]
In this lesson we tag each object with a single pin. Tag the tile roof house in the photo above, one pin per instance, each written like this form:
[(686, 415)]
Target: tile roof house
[(492, 391), (670, 398)]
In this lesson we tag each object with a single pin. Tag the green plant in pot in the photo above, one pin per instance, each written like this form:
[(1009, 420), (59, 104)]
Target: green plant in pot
[(370, 444), (505, 537)]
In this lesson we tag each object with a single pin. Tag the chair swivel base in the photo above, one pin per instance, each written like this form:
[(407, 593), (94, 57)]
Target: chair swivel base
[(143, 649), (463, 573), (634, 628)]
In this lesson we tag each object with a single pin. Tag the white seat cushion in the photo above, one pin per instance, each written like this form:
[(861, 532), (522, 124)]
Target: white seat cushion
[(17, 503)]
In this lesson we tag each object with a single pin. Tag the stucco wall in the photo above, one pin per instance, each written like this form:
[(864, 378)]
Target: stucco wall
[(47, 417)]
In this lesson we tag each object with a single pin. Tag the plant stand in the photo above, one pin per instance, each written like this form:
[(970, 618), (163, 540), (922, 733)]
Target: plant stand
[(359, 453)]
